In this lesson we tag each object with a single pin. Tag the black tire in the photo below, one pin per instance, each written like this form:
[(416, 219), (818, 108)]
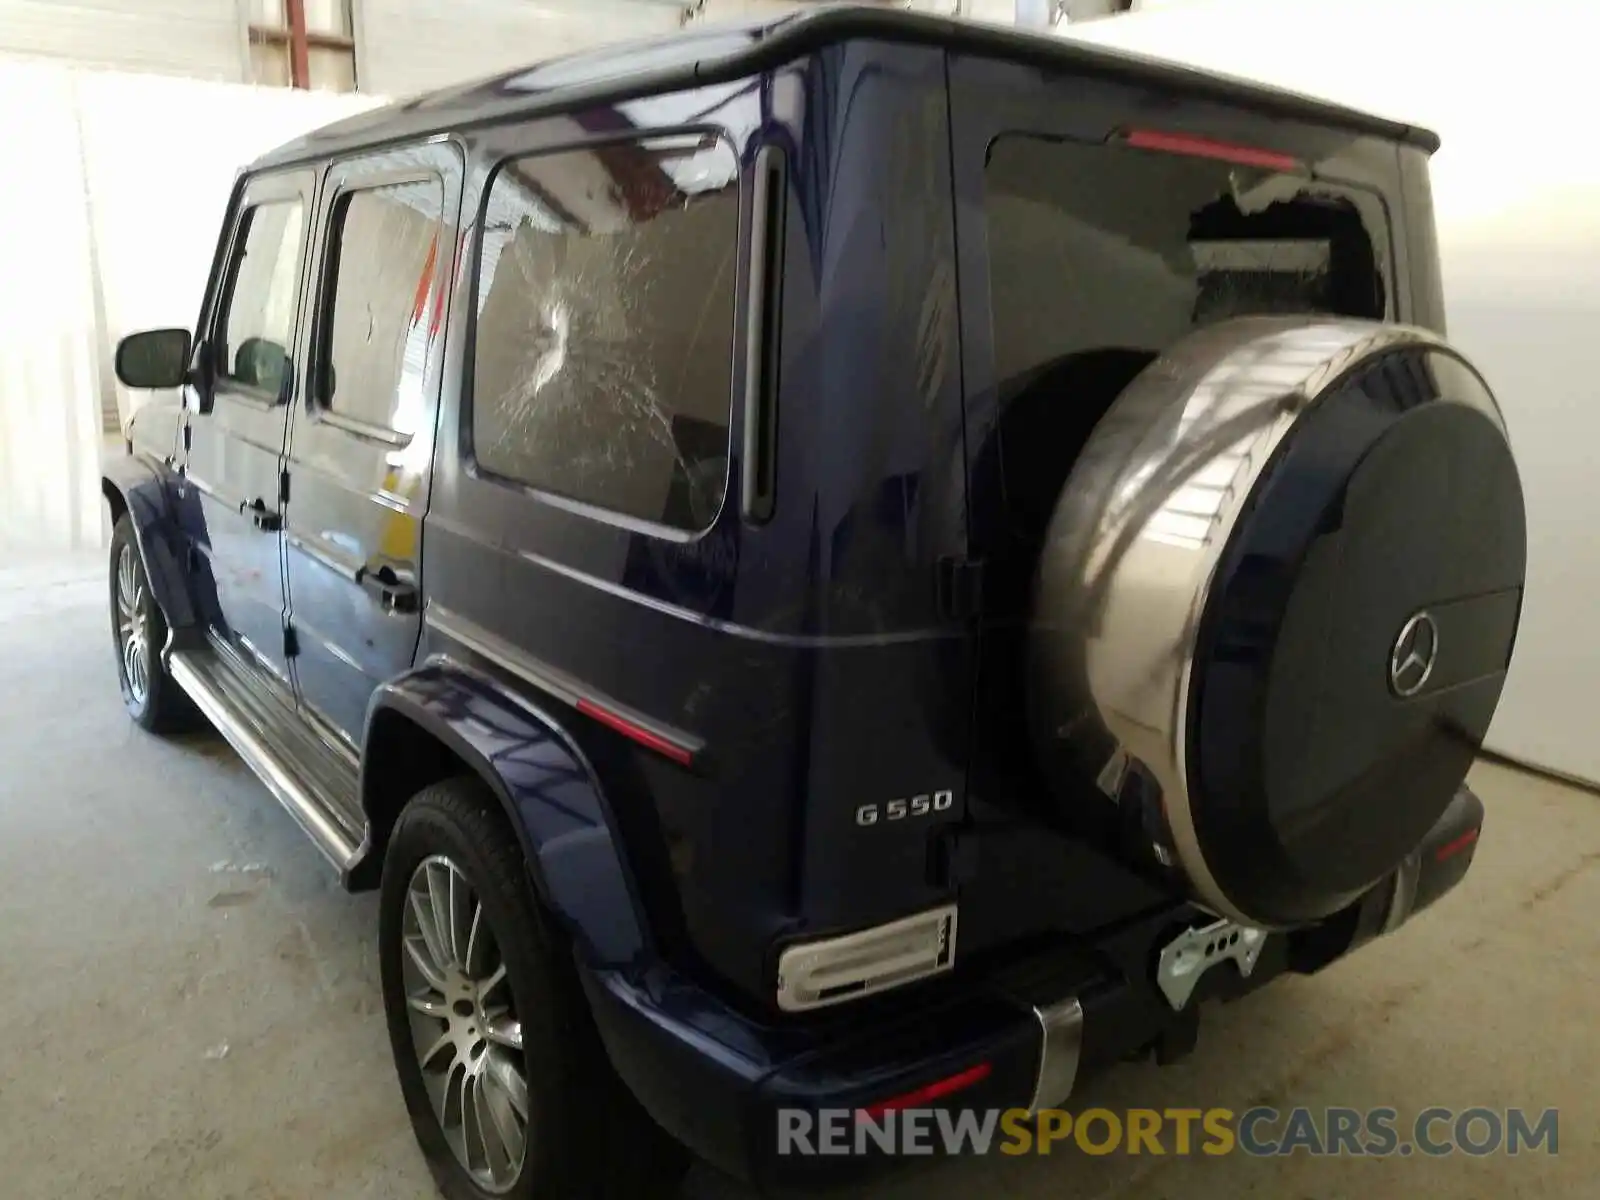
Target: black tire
[(587, 1137), (153, 700)]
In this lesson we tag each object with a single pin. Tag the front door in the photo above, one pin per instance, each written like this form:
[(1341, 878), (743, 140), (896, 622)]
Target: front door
[(237, 413), (361, 440)]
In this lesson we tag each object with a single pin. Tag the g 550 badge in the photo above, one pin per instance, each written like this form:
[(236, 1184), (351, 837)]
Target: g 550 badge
[(908, 809)]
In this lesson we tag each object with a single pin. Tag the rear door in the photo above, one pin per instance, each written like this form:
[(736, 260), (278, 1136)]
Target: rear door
[(1099, 222), (234, 448), (361, 440)]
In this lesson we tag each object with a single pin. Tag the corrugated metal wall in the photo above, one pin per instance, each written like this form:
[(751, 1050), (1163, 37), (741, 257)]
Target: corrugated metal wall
[(200, 38)]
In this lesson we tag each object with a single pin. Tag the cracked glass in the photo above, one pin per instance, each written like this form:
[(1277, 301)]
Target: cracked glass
[(605, 327)]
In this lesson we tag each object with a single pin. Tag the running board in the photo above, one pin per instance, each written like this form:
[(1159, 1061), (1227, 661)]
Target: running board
[(298, 797)]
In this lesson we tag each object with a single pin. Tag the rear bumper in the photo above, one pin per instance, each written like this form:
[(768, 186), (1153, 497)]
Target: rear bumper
[(717, 1082), (1016, 1035), (1437, 865)]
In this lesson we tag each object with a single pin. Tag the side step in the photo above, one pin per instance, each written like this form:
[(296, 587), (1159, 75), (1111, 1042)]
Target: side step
[(306, 776)]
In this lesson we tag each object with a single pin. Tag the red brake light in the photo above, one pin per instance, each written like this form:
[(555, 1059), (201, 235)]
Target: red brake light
[(931, 1092), (1199, 147)]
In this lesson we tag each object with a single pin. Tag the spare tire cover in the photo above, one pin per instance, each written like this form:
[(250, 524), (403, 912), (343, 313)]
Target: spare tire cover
[(1283, 582)]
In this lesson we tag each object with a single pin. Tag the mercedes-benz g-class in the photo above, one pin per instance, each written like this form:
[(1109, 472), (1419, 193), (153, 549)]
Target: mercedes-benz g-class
[(853, 562)]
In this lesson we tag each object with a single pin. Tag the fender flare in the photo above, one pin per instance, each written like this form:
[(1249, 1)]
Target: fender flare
[(138, 484), (545, 785)]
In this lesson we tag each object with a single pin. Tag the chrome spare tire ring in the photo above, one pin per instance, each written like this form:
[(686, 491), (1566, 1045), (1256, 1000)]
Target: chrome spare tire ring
[(464, 1025)]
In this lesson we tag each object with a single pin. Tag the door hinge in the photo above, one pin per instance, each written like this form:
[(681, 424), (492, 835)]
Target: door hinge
[(283, 487), (959, 583), (291, 642)]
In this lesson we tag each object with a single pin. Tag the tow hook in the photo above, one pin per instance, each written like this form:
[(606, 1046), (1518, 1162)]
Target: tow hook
[(1195, 951)]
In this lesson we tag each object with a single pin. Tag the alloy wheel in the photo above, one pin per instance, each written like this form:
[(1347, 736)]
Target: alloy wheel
[(464, 1028), (133, 629)]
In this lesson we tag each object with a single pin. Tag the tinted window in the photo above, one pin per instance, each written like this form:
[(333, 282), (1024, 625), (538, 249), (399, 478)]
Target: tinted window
[(1094, 247), (1100, 257), (605, 327), (258, 322), (386, 303)]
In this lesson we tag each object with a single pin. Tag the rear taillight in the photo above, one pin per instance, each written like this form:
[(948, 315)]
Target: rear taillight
[(833, 970)]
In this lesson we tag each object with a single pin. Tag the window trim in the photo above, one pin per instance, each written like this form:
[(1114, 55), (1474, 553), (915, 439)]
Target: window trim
[(327, 295), (222, 383), (466, 439)]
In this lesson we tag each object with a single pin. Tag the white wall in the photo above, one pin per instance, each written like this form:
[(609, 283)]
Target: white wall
[(201, 38), (49, 429), (402, 46), (1517, 193), (408, 46), (138, 170), (154, 239)]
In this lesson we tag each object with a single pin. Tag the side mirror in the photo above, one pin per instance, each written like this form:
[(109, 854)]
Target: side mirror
[(154, 358)]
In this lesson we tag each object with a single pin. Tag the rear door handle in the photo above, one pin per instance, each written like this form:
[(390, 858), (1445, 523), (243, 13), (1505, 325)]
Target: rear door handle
[(395, 594), (263, 518)]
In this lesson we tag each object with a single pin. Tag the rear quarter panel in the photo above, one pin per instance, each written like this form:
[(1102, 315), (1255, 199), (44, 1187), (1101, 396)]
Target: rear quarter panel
[(806, 655)]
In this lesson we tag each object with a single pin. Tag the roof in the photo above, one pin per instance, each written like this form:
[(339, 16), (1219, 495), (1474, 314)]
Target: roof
[(722, 53)]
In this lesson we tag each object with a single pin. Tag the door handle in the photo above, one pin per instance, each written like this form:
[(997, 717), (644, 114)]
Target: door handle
[(395, 594), (265, 519)]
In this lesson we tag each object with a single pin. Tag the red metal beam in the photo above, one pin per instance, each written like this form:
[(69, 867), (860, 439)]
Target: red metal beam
[(294, 12)]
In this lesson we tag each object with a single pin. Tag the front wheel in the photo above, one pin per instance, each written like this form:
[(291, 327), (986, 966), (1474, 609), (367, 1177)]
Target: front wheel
[(139, 631), (508, 1087)]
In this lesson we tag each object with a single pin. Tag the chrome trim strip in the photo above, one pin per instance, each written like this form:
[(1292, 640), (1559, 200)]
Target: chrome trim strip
[(868, 961), (319, 551), (305, 808), (1060, 1046), (799, 641), (190, 479), (564, 687), (498, 651)]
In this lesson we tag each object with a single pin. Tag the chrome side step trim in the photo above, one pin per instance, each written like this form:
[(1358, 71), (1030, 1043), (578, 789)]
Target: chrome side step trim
[(1060, 1044), (308, 811)]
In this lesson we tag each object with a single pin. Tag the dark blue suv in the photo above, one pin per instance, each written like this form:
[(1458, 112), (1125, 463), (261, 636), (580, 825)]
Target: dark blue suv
[(861, 563)]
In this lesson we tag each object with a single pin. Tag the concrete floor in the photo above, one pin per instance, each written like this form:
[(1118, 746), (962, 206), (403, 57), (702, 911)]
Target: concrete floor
[(193, 1004)]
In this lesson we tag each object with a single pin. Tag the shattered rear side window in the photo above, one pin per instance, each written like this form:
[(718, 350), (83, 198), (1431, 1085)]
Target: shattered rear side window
[(1095, 247), (604, 351), (1102, 255)]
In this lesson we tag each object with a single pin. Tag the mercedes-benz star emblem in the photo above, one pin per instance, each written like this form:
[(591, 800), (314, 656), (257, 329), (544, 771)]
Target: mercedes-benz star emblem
[(1415, 651)]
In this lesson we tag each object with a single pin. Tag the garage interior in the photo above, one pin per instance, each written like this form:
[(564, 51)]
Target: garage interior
[(195, 1005)]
